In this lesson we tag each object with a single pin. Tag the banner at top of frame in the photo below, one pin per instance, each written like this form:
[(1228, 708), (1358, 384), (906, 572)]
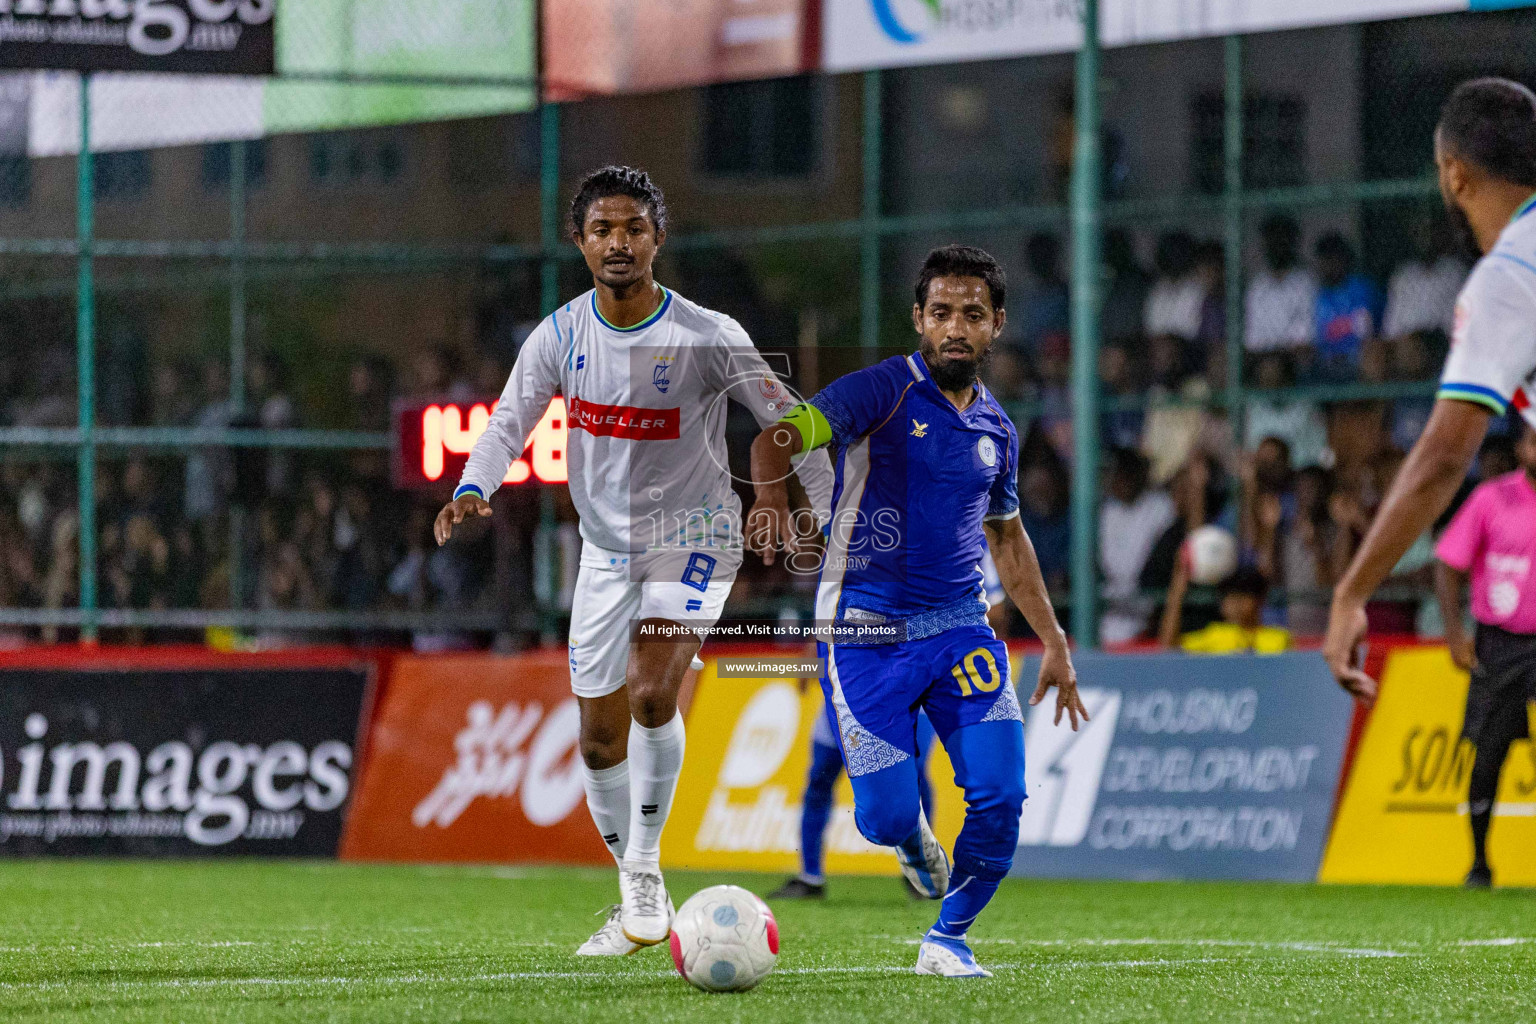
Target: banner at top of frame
[(340, 64), (864, 34), (233, 37), (607, 47)]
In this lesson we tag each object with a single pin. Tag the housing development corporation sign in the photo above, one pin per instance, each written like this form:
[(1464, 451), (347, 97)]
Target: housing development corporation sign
[(196, 36), (1190, 768)]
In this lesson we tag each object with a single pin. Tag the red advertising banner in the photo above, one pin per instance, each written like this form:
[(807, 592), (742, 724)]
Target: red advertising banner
[(624, 46), (474, 759)]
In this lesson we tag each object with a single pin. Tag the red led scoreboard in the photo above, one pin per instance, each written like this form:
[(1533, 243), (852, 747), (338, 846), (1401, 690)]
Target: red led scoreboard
[(432, 443)]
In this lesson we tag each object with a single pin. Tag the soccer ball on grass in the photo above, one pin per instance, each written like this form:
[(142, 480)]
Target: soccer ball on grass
[(724, 939)]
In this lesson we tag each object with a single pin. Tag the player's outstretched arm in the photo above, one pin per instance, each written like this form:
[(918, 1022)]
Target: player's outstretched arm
[(769, 526), (1019, 570), (1423, 488), (524, 400), (455, 512)]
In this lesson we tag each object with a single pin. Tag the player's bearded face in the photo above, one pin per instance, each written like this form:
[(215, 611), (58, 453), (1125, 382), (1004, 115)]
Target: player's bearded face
[(619, 242), (958, 325)]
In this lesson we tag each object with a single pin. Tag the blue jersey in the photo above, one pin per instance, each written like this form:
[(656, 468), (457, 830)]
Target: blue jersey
[(915, 480)]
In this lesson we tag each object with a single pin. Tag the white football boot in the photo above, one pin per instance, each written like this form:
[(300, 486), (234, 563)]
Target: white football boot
[(645, 916), (930, 876), (948, 957), (610, 940)]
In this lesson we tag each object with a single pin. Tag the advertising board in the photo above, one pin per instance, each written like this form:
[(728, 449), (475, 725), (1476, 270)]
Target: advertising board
[(1191, 767), (200, 36), (624, 46), (177, 761), (1403, 818), (862, 34), (473, 758)]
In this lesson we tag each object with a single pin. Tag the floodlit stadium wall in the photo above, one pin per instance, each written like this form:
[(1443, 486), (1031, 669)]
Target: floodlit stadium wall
[(1192, 767)]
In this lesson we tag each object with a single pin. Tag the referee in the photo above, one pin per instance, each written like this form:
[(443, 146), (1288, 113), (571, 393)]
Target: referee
[(1485, 153), (1492, 541)]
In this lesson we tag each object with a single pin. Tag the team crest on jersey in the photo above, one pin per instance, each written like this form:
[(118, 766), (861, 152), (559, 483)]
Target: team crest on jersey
[(987, 450), (769, 388), (919, 429), (661, 375)]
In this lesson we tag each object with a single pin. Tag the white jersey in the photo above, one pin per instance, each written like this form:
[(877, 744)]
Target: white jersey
[(646, 453), (1493, 347)]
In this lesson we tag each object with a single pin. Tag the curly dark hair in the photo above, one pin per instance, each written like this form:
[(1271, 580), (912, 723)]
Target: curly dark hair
[(962, 261), (615, 180)]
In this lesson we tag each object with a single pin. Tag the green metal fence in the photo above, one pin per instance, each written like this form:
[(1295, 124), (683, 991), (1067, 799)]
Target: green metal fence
[(240, 260)]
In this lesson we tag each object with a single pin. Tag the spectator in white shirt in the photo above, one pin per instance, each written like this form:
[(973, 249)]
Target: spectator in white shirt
[(1131, 519), (1421, 297), (1176, 302), (1281, 301), (1299, 423)]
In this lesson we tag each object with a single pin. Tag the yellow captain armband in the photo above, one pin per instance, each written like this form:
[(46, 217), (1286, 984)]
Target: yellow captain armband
[(814, 429)]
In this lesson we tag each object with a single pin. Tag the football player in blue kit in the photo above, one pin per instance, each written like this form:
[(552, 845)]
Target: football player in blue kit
[(827, 766), (927, 469)]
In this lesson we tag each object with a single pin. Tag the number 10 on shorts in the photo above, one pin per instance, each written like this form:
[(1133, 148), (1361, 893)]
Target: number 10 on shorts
[(977, 671)]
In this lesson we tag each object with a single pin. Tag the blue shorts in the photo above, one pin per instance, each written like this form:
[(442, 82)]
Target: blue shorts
[(959, 677), (824, 731)]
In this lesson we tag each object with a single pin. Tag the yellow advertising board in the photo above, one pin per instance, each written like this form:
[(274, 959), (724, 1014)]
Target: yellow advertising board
[(738, 800), (1403, 818)]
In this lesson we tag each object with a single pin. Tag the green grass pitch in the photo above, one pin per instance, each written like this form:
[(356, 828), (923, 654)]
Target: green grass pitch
[(258, 941)]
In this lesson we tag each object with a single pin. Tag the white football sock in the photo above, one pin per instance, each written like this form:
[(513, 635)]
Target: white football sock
[(655, 758), (608, 800)]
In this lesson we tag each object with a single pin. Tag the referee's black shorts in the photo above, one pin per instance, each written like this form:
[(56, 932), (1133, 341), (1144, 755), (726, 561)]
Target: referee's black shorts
[(1503, 682)]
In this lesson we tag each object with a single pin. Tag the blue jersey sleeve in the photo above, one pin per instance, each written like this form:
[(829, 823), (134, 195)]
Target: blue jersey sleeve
[(1003, 501), (857, 403)]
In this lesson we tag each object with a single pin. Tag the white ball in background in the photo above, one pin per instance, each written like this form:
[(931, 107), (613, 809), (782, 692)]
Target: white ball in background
[(724, 939), (1211, 552)]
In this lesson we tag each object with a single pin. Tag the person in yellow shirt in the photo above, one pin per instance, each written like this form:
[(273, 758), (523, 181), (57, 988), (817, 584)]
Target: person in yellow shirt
[(1240, 630)]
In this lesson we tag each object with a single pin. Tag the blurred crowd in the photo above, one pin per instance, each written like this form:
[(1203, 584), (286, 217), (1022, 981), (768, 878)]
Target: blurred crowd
[(1317, 320), (1296, 481), (266, 529), (1297, 485)]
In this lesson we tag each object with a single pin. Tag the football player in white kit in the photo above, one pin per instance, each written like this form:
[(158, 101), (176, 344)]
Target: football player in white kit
[(645, 375), (1485, 152)]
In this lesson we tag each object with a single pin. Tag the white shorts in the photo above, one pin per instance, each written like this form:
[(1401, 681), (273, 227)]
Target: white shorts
[(611, 596)]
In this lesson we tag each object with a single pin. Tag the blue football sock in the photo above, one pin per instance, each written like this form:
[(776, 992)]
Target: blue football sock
[(816, 808), (968, 896)]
